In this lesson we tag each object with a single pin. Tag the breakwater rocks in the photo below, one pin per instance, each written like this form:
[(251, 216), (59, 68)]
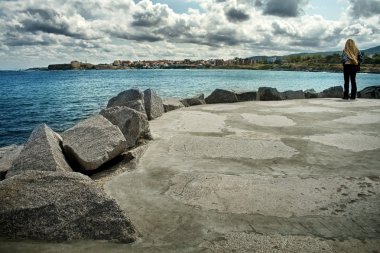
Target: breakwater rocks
[(49, 189)]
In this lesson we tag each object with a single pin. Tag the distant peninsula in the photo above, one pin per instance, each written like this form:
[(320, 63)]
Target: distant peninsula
[(313, 62)]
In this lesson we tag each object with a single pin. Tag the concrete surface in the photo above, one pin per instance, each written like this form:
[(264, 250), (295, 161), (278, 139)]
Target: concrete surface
[(282, 176)]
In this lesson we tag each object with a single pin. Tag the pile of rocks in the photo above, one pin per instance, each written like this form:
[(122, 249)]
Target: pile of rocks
[(44, 194)]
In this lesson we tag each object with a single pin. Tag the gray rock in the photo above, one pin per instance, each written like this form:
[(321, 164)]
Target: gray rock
[(60, 206), (268, 94), (332, 92), (133, 124), (137, 105), (246, 96), (311, 93), (172, 104), (7, 156), (290, 94), (93, 142), (125, 96), (370, 92), (221, 96), (196, 100), (153, 104), (42, 152)]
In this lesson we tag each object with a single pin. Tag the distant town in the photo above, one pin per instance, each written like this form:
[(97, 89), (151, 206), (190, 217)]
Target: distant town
[(323, 61)]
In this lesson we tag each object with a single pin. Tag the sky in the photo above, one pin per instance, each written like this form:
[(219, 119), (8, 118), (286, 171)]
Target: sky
[(35, 33)]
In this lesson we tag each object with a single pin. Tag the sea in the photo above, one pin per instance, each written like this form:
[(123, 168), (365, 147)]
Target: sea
[(62, 98)]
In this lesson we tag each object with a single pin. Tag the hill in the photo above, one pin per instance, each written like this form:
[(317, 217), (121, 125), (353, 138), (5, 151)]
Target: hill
[(369, 51)]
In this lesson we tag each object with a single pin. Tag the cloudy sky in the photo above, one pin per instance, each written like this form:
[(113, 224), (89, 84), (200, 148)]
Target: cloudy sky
[(39, 32)]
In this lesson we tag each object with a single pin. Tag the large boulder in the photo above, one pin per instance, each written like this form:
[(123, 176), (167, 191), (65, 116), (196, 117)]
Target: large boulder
[(7, 156), (60, 206), (221, 96), (370, 92), (93, 142), (132, 98), (245, 96), (290, 94), (172, 104), (196, 100), (332, 92), (268, 94), (153, 104), (42, 152), (311, 93), (133, 124)]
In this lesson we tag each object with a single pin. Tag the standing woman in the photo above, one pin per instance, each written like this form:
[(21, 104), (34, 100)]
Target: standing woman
[(351, 58)]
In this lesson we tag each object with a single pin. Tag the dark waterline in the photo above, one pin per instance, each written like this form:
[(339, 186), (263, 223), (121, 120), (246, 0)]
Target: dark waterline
[(62, 98)]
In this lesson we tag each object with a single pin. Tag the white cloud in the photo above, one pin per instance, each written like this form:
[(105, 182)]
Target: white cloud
[(102, 30)]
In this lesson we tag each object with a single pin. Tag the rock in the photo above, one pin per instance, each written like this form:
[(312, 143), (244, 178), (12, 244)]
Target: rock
[(132, 98), (153, 104), (172, 104), (221, 96), (7, 156), (268, 94), (370, 92), (196, 100), (332, 92), (246, 96), (133, 124), (311, 93), (93, 142), (137, 105), (42, 152), (60, 206), (290, 94)]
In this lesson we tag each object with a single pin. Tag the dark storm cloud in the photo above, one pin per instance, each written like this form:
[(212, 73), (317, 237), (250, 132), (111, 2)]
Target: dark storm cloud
[(150, 16), (235, 15), (281, 8), (141, 37), (48, 21), (16, 39), (365, 8)]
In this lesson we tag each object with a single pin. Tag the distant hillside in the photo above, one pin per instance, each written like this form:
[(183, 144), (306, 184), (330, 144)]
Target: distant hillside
[(369, 51), (374, 50)]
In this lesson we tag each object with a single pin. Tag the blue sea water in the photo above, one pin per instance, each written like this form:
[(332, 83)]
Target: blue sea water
[(62, 98)]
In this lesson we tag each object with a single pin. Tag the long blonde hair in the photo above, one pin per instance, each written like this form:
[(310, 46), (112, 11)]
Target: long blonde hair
[(351, 51)]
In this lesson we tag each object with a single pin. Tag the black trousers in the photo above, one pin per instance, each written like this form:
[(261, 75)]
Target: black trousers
[(349, 72)]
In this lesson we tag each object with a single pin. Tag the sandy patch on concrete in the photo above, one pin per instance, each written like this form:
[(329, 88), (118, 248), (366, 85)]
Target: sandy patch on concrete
[(225, 147), (281, 103), (282, 197), (335, 102), (305, 109), (360, 119), (355, 142), (196, 121), (268, 120), (222, 107)]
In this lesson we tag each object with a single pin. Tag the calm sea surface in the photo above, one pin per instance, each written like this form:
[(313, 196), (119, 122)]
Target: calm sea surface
[(62, 98)]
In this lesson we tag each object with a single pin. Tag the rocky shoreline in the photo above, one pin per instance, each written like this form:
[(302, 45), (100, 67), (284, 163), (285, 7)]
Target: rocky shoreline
[(49, 188)]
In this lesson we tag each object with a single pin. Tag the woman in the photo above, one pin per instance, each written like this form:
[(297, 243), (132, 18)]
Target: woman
[(351, 58)]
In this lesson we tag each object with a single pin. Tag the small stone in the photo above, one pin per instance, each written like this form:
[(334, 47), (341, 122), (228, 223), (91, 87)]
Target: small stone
[(133, 124), (290, 94), (196, 100), (268, 94), (221, 96), (153, 104), (42, 152), (93, 142), (246, 96), (311, 93), (60, 206), (172, 104)]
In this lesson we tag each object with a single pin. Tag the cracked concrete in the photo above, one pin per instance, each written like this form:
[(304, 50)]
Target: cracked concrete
[(217, 180)]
